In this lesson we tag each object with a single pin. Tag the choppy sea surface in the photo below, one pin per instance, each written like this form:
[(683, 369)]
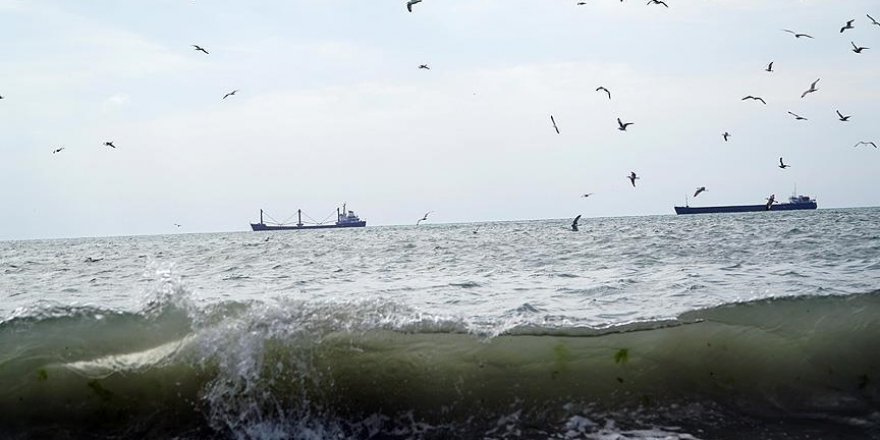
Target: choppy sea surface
[(735, 326)]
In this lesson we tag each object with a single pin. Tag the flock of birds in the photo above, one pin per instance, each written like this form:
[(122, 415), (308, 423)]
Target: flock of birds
[(623, 126)]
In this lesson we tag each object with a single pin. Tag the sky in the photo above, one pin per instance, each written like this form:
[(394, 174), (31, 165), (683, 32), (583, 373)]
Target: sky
[(331, 107)]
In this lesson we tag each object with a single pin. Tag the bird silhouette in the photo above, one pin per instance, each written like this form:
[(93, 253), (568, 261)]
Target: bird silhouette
[(230, 94), (866, 143), (699, 190), (110, 144), (574, 224), (57, 150), (199, 48), (782, 165), (605, 90), (858, 49), (755, 98), (769, 67), (797, 35), (657, 2), (811, 89), (842, 117), (797, 117), (424, 218), (410, 3), (847, 26), (874, 22), (725, 135), (632, 178), (622, 126), (554, 124), (586, 195), (770, 201), (424, 66)]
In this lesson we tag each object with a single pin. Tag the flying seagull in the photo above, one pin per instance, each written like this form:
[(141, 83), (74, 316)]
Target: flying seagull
[(230, 94), (725, 135), (755, 98), (581, 3), (842, 117), (622, 126), (874, 22), (657, 2), (177, 225), (606, 90), (797, 35), (57, 150), (858, 49), (811, 89), (782, 165), (110, 144), (424, 66), (574, 224), (410, 3), (798, 117), (866, 143), (699, 190), (587, 195), (632, 178), (770, 201), (848, 26), (554, 124), (425, 217), (769, 67), (200, 49)]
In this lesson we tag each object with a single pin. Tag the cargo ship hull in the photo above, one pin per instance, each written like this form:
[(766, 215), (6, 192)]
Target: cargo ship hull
[(743, 208), (265, 227), (794, 203)]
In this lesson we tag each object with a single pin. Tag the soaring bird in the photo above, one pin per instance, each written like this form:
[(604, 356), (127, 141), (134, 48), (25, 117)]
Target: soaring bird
[(581, 3), (725, 135), (554, 124), (425, 217), (57, 150), (798, 117), (755, 98), (110, 144), (848, 26), (842, 117), (200, 49), (858, 49), (782, 165), (770, 201), (410, 3), (622, 126), (632, 178), (874, 22), (811, 89), (769, 67), (866, 143), (424, 66), (657, 2), (604, 89), (177, 225), (699, 190), (587, 195), (230, 94), (574, 224), (797, 35)]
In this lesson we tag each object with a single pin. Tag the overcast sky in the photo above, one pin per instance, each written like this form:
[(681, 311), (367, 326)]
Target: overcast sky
[(333, 108)]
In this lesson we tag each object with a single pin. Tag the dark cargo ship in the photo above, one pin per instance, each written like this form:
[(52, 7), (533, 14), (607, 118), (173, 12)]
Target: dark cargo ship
[(344, 219), (794, 203)]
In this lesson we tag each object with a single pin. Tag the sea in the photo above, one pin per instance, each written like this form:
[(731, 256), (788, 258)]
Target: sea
[(731, 326)]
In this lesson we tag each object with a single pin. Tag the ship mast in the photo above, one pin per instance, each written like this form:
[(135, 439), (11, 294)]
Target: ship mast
[(299, 217)]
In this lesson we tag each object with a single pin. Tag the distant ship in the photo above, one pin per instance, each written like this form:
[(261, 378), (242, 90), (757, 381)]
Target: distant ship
[(344, 219), (794, 203)]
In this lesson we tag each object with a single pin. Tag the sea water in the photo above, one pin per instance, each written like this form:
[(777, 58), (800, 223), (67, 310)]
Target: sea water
[(736, 326)]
